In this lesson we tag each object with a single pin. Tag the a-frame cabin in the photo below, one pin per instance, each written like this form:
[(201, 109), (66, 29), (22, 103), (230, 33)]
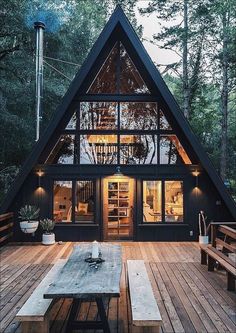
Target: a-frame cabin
[(118, 159)]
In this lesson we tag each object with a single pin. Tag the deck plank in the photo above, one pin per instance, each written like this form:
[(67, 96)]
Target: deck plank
[(190, 298)]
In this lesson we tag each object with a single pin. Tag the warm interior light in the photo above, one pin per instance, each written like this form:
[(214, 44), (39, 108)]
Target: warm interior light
[(196, 173), (40, 173)]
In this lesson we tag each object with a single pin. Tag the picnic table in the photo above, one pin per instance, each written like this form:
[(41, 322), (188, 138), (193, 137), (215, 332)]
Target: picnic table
[(80, 281)]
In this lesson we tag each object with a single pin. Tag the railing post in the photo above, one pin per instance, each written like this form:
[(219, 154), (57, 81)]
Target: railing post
[(213, 235)]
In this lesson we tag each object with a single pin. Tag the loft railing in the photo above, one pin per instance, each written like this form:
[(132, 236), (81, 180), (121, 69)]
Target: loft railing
[(6, 228)]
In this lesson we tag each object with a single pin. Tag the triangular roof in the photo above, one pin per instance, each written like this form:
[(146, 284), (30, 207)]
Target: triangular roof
[(118, 21)]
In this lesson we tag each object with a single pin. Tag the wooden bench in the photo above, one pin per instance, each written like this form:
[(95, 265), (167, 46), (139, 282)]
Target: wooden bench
[(144, 309), (34, 313), (217, 252)]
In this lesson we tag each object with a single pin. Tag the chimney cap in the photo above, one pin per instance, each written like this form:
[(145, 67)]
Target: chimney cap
[(39, 24)]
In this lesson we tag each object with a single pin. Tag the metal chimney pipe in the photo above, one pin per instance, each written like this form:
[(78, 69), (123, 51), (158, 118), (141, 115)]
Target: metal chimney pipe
[(39, 27)]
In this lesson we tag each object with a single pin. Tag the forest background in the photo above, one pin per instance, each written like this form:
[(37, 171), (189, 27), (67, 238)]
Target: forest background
[(202, 34)]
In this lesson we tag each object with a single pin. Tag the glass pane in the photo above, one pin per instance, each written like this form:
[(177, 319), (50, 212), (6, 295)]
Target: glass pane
[(72, 123), (84, 205), (98, 115), (174, 201), (98, 149), (171, 151), (62, 206), (142, 116), (63, 151), (164, 125), (138, 149), (130, 79), (105, 81), (152, 201)]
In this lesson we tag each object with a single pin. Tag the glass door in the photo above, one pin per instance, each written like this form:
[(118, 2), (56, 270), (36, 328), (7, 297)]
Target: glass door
[(118, 208)]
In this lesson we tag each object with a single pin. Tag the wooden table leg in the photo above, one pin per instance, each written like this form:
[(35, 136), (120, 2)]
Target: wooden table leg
[(74, 324), (73, 312), (102, 314)]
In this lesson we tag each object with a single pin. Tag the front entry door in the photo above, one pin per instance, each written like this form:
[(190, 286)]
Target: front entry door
[(118, 194)]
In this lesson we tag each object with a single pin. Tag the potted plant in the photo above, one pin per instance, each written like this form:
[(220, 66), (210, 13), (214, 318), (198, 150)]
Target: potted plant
[(29, 215), (203, 237), (48, 236)]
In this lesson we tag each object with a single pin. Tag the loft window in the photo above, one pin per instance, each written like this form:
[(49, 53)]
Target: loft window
[(163, 197), (98, 116), (171, 151), (62, 201), (164, 124), (98, 149), (118, 75), (139, 116), (72, 123), (138, 149)]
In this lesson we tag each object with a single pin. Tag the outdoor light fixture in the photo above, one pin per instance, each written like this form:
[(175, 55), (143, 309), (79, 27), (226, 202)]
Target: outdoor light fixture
[(118, 172), (196, 174), (40, 174)]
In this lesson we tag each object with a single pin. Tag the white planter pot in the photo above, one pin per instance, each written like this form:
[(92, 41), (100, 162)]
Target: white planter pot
[(29, 227), (203, 239), (48, 239)]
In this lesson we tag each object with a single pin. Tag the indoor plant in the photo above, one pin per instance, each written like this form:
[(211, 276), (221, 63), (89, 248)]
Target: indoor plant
[(48, 236), (29, 218), (203, 238)]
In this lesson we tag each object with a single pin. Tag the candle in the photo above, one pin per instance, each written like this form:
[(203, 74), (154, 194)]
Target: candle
[(95, 250)]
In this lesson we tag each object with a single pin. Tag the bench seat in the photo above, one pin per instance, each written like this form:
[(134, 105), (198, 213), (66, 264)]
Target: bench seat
[(34, 313), (214, 256), (144, 309)]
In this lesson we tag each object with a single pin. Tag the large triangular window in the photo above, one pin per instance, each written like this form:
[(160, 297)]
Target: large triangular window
[(118, 75)]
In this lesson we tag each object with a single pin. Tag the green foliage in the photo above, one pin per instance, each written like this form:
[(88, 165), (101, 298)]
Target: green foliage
[(71, 29), (47, 225), (29, 213)]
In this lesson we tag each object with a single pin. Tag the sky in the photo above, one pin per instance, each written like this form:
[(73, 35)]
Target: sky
[(151, 26)]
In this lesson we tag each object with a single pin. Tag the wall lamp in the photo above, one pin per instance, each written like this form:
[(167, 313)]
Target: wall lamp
[(40, 174), (196, 174)]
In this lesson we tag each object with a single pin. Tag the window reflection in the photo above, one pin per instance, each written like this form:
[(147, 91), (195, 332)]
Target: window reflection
[(62, 201), (171, 151), (84, 205), (63, 152), (141, 116), (118, 75), (72, 123), (164, 124), (106, 81), (152, 211), (98, 149), (138, 149), (174, 201), (98, 115), (130, 79)]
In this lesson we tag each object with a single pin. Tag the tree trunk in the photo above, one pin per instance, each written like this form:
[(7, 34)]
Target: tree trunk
[(224, 99), (185, 63)]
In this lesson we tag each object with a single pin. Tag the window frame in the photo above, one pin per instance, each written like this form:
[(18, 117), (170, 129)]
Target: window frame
[(74, 180), (163, 203)]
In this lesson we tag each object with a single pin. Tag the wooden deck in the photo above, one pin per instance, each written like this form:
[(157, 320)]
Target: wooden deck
[(190, 298)]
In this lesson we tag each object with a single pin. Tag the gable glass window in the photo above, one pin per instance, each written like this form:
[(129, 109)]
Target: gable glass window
[(163, 197), (98, 116), (63, 151), (118, 75), (171, 151), (138, 149), (62, 201), (138, 116), (98, 149)]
